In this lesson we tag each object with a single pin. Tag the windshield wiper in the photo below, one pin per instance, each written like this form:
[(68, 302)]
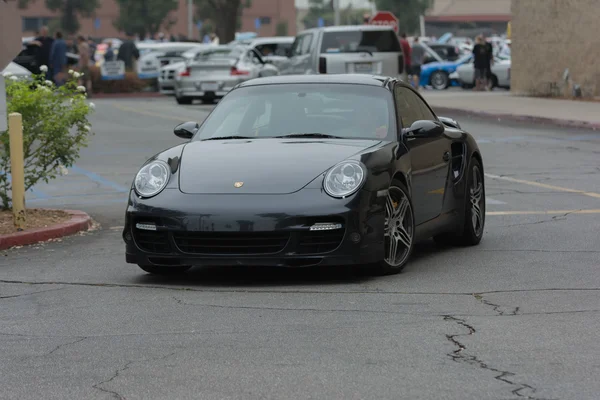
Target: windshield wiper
[(229, 137), (309, 135)]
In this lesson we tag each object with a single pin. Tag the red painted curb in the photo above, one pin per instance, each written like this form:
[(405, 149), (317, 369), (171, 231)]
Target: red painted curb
[(140, 95), (565, 123), (79, 221)]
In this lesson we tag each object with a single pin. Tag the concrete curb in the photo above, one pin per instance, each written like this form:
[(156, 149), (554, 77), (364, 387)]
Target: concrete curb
[(565, 123), (79, 221), (139, 95)]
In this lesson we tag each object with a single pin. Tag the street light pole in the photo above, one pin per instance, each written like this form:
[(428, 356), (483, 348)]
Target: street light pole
[(190, 19), (336, 12)]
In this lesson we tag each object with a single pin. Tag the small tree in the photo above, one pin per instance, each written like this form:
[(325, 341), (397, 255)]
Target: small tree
[(55, 128), (282, 29), (69, 11), (144, 16)]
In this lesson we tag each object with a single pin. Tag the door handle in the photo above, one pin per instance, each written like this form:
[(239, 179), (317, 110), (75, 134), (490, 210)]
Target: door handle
[(447, 156)]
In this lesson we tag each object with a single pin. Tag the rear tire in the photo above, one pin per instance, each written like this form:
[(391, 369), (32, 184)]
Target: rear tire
[(164, 270), (207, 100), (184, 100), (439, 80), (474, 222), (399, 230)]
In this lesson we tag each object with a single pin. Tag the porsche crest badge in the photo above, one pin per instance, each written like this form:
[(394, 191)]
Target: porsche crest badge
[(238, 184)]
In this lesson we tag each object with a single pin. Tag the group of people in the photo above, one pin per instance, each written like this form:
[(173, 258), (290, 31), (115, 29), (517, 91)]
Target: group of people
[(414, 56)]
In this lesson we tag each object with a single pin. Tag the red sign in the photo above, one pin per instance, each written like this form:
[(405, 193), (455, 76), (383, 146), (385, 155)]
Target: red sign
[(385, 18)]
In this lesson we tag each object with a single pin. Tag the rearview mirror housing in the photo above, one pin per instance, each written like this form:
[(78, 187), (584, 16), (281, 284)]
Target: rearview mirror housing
[(187, 130), (424, 129)]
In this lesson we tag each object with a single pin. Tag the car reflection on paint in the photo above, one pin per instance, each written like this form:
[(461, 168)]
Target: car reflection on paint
[(310, 170)]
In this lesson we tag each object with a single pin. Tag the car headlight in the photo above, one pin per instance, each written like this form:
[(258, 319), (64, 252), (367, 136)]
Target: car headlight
[(152, 179), (344, 179)]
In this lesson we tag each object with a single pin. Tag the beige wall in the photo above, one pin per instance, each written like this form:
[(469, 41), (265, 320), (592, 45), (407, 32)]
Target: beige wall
[(10, 33), (549, 36)]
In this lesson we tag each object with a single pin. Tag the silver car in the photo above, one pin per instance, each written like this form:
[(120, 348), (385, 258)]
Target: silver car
[(465, 74), (166, 78), (214, 72), (367, 49), (274, 49)]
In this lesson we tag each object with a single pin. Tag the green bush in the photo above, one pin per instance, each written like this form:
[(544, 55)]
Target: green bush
[(55, 128)]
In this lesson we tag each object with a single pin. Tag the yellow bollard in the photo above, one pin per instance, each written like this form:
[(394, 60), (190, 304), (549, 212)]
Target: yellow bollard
[(15, 132)]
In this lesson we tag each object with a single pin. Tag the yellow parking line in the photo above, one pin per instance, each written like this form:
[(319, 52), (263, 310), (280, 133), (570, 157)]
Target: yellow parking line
[(555, 212), (152, 114), (543, 185)]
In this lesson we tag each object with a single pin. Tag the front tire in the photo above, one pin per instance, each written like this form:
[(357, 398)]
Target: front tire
[(164, 270), (399, 230), (184, 100), (474, 222), (440, 80)]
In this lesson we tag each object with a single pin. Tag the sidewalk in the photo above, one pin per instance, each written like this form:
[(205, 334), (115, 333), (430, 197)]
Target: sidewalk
[(502, 105)]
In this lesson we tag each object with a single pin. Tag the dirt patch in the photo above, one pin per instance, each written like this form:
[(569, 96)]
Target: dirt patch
[(36, 218)]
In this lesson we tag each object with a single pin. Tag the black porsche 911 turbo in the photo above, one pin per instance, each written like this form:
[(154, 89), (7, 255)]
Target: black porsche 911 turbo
[(308, 171)]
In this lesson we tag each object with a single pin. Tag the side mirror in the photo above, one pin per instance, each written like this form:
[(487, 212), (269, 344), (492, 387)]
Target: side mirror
[(424, 129), (187, 130)]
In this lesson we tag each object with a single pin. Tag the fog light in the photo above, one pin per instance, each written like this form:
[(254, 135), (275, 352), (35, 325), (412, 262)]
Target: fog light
[(355, 237), (146, 227), (128, 236), (325, 226)]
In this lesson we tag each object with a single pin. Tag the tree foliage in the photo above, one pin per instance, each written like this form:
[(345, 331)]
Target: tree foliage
[(144, 16), (55, 128), (224, 14), (407, 12), (70, 11)]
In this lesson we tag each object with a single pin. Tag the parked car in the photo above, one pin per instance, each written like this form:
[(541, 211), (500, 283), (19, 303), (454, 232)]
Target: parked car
[(28, 57), (14, 69), (465, 74), (275, 50), (314, 170), (168, 73), (365, 49), (447, 52), (213, 73), (437, 74)]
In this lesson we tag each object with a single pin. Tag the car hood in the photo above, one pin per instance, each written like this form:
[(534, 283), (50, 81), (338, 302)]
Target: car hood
[(265, 166)]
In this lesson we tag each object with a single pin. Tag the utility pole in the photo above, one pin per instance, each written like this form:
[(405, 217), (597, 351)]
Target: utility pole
[(336, 12), (190, 19)]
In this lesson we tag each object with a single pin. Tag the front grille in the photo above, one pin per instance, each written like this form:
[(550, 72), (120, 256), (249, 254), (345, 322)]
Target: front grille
[(314, 242), (231, 243), (152, 241)]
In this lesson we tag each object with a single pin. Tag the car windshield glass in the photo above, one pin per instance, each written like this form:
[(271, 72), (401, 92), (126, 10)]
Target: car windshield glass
[(383, 41), (337, 110)]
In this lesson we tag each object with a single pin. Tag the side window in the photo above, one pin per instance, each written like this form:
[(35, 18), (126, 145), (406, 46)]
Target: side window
[(307, 44), (297, 46), (253, 57), (283, 49), (410, 107)]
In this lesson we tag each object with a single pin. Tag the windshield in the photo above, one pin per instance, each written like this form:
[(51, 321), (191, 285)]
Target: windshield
[(384, 41), (341, 110)]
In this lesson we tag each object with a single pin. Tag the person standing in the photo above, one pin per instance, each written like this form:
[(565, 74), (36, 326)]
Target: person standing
[(109, 55), (214, 39), (44, 41), (129, 53), (417, 56), (490, 50), (406, 50), (58, 59), (481, 62), (83, 48)]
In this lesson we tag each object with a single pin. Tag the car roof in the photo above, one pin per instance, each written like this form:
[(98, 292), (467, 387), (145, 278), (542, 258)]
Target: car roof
[(349, 28), (350, 79), (273, 39)]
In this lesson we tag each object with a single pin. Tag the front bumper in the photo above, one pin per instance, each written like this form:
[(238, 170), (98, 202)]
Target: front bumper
[(265, 230)]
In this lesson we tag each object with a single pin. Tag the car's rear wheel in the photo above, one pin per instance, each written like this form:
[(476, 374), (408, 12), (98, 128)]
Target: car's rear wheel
[(164, 270), (440, 80), (399, 230), (184, 100), (208, 100), (474, 222)]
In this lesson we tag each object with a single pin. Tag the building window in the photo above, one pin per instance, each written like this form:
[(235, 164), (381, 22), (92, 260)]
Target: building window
[(265, 20), (34, 24)]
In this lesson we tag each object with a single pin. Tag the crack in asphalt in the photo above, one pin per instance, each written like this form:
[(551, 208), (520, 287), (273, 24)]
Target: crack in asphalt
[(60, 346), (118, 372), (522, 390), (495, 307), (30, 293), (555, 218), (212, 290)]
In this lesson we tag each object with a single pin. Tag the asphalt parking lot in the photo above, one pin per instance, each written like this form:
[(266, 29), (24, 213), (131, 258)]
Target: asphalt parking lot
[(515, 317)]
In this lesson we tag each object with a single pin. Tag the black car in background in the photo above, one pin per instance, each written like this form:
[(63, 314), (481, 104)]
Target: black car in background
[(29, 58)]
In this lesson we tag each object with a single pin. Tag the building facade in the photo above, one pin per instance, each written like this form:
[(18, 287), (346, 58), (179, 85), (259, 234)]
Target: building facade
[(270, 12), (549, 37), (467, 17)]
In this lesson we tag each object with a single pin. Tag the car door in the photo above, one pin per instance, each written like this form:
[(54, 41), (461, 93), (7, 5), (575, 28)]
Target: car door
[(300, 62), (259, 65), (430, 157)]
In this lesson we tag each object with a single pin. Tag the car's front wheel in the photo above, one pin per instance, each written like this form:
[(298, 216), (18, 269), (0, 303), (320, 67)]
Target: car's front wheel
[(440, 80), (184, 100), (399, 230), (164, 270)]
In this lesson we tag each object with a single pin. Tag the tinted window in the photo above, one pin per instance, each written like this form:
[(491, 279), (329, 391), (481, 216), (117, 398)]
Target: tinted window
[(411, 108), (383, 41), (349, 111)]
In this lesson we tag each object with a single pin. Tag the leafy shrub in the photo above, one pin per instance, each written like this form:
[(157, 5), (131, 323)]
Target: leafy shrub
[(131, 83), (55, 128)]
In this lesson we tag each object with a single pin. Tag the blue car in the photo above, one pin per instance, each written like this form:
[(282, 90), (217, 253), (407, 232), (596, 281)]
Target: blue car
[(441, 75)]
